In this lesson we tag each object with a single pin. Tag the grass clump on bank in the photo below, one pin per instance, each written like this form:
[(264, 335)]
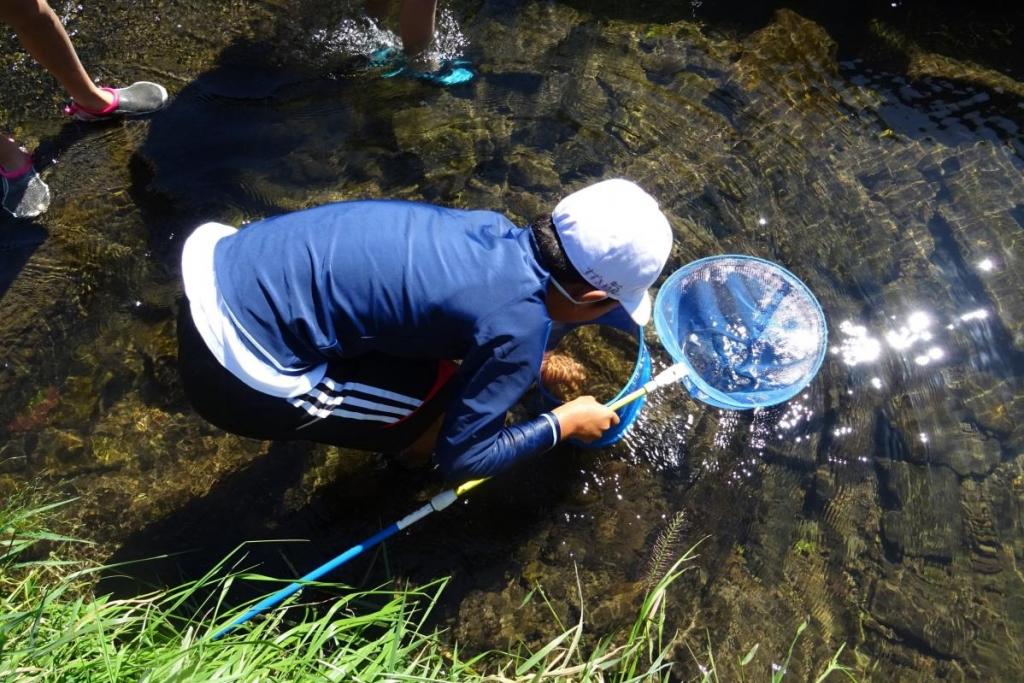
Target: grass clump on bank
[(52, 628)]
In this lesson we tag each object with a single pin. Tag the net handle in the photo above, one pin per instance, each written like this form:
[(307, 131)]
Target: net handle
[(670, 375)]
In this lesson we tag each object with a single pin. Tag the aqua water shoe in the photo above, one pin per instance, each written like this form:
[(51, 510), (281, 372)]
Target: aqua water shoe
[(393, 63), (385, 56), (452, 72)]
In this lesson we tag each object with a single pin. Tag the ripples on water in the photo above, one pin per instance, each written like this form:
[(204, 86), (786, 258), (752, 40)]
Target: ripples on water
[(883, 502), (362, 36)]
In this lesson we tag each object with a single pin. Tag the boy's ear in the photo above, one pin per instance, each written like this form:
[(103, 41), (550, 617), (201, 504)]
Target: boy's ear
[(594, 295)]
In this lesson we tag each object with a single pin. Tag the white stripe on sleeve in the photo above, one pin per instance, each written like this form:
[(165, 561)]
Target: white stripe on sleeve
[(554, 428)]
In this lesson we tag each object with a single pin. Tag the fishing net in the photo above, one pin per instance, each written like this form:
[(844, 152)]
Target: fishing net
[(591, 360), (622, 338), (748, 331)]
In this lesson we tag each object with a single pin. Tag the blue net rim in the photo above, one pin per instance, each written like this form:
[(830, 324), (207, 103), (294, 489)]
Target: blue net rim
[(709, 394), (627, 413)]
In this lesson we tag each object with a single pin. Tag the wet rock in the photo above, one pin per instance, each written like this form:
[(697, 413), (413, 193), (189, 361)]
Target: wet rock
[(923, 613), (977, 222), (923, 62), (676, 54), (797, 450), (929, 425), (971, 452), (512, 614), (617, 605), (532, 172), (57, 449), (983, 538), (14, 457), (39, 411), (993, 401), (824, 485), (927, 523), (1003, 494), (523, 206), (449, 138), (847, 434), (132, 434), (773, 533), (518, 41), (793, 45), (81, 398), (743, 605), (849, 522)]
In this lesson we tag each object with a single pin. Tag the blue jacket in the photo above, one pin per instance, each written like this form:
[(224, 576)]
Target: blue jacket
[(410, 280)]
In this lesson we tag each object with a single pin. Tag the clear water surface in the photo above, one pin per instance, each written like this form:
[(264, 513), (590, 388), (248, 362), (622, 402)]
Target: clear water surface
[(876, 152)]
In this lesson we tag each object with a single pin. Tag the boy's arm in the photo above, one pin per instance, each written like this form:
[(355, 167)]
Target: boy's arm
[(474, 440)]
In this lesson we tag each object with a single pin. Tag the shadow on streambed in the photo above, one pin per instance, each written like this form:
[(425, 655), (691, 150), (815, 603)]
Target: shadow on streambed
[(257, 136), (469, 542), (19, 239)]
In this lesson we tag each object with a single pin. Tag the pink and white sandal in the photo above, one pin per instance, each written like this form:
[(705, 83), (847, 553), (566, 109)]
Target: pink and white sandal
[(137, 99), (24, 194)]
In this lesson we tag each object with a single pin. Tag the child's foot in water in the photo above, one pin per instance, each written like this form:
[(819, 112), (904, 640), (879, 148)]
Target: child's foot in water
[(137, 99), (450, 72), (438, 72), (24, 194)]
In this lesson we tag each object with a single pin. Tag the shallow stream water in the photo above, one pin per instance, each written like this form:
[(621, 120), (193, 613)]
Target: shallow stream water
[(876, 152)]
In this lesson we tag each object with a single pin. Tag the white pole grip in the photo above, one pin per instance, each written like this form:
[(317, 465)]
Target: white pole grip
[(416, 516), (443, 499)]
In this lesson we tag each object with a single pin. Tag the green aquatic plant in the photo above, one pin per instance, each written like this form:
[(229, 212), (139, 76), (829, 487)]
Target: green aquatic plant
[(805, 547), (709, 667), (664, 550)]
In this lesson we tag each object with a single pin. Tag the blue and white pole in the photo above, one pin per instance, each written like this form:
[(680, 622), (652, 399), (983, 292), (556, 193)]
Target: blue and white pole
[(436, 504)]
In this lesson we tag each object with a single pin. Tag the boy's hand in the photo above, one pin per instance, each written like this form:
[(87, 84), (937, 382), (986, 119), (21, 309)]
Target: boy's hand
[(562, 375), (584, 418)]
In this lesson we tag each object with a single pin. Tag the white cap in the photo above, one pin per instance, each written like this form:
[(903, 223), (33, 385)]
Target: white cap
[(618, 239)]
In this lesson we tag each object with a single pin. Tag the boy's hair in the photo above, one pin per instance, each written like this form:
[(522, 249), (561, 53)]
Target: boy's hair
[(552, 255)]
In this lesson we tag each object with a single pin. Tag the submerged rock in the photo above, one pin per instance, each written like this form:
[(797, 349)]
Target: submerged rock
[(790, 47), (927, 523), (926, 613), (448, 137)]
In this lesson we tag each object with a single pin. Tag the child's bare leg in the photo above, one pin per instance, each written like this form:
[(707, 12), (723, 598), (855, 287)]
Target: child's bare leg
[(416, 25), (11, 156), (42, 34)]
